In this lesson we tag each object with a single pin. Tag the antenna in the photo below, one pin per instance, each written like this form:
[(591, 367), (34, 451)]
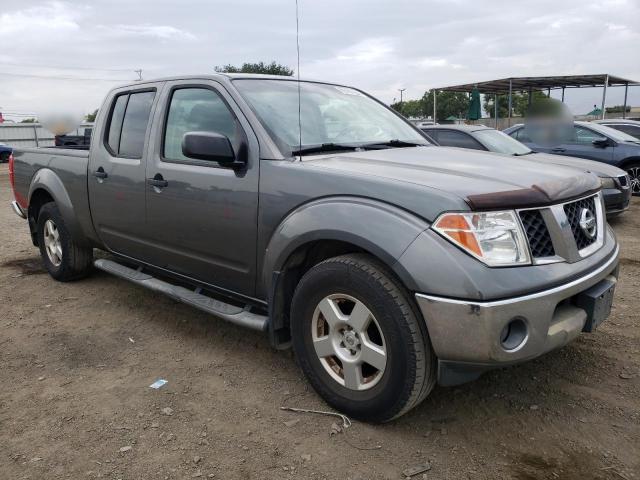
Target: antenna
[(298, 75), (139, 72)]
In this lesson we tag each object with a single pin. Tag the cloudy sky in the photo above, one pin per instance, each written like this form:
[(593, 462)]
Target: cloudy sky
[(71, 52)]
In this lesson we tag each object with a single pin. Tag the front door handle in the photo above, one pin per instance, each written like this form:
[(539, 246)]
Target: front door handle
[(100, 173), (558, 150), (158, 181)]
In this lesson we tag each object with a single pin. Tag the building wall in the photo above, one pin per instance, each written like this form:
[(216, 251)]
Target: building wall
[(25, 135)]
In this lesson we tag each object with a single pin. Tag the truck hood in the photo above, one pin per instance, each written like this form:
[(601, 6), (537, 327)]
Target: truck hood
[(599, 168), (484, 180)]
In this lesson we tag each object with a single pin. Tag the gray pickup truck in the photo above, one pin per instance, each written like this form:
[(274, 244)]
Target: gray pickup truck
[(314, 213)]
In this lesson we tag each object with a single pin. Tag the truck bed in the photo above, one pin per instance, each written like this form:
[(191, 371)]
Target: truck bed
[(52, 168)]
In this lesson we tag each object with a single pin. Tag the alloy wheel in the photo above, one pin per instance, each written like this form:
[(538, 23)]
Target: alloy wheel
[(52, 243), (634, 175), (349, 342)]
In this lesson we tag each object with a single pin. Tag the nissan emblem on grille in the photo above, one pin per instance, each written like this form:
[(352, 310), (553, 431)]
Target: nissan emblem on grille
[(588, 222)]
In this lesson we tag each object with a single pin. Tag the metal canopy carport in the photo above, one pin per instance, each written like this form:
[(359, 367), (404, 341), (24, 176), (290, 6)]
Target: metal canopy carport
[(528, 84)]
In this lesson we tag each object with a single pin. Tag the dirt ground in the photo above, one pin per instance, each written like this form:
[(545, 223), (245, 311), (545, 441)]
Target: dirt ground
[(77, 360)]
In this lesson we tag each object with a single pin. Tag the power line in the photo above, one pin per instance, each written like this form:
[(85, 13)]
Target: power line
[(59, 67), (54, 77)]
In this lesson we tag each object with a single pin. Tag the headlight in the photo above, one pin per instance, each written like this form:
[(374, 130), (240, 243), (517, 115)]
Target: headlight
[(607, 182), (495, 238)]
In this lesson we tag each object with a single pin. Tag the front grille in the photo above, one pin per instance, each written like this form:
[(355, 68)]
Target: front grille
[(573, 211), (537, 233)]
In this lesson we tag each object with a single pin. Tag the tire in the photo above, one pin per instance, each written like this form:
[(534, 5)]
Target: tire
[(4, 157), (62, 257), (633, 170), (361, 288)]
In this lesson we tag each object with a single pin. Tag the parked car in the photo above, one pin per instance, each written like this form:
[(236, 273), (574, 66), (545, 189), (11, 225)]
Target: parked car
[(595, 142), (615, 182), (388, 264), (5, 151), (630, 127)]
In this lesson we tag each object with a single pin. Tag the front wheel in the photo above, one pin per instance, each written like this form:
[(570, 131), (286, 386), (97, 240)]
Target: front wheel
[(359, 340), (62, 257), (633, 171)]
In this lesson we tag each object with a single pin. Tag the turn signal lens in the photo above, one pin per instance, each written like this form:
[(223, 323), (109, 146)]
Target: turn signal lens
[(495, 238)]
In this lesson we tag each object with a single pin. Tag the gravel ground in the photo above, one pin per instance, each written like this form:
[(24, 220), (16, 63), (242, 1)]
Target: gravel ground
[(78, 358)]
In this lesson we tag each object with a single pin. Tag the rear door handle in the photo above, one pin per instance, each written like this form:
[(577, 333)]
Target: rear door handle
[(558, 150), (158, 181), (100, 173)]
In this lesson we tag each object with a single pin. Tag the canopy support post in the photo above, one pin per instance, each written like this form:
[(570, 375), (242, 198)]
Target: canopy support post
[(495, 101), (604, 95), (624, 107), (529, 97), (510, 101), (434, 107), (562, 94)]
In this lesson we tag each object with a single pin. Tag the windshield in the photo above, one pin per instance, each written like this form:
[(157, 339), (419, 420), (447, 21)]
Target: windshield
[(500, 142), (329, 114), (617, 135)]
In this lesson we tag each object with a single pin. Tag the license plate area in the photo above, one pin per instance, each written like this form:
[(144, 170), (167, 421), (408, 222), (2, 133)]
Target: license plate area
[(597, 302)]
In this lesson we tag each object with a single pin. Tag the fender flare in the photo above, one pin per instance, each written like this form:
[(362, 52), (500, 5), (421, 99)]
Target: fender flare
[(47, 180), (628, 161), (380, 228)]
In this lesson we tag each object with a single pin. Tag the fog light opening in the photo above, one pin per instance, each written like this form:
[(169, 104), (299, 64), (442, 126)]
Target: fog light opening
[(514, 334)]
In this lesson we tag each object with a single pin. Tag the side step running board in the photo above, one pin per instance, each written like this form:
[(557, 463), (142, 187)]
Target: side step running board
[(238, 315)]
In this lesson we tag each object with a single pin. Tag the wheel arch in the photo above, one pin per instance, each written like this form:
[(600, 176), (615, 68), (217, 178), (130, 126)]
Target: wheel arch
[(46, 186), (629, 161), (327, 228)]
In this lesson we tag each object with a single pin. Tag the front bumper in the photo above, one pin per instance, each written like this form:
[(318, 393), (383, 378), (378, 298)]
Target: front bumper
[(466, 335), (616, 200)]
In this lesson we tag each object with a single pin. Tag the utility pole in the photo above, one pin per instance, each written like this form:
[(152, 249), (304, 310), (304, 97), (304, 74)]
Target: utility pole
[(139, 72), (401, 90)]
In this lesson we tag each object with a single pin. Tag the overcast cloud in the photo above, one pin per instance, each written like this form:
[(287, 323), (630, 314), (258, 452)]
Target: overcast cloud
[(376, 45)]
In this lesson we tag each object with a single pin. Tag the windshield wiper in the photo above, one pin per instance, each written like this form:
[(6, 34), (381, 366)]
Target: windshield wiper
[(392, 144), (326, 147)]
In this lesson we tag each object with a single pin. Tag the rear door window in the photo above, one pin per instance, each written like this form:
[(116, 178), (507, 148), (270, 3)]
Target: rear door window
[(134, 125), (115, 124), (451, 138), (431, 133), (128, 125)]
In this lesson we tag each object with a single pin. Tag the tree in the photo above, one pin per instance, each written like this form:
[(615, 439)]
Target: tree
[(91, 117), (272, 68), (519, 103), (29, 120), (447, 104), (409, 108), (617, 109)]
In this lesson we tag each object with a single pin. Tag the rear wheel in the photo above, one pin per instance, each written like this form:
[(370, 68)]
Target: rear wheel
[(359, 340), (4, 157), (62, 257), (633, 170)]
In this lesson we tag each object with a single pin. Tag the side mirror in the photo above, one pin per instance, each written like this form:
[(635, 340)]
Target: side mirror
[(601, 142), (210, 146)]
